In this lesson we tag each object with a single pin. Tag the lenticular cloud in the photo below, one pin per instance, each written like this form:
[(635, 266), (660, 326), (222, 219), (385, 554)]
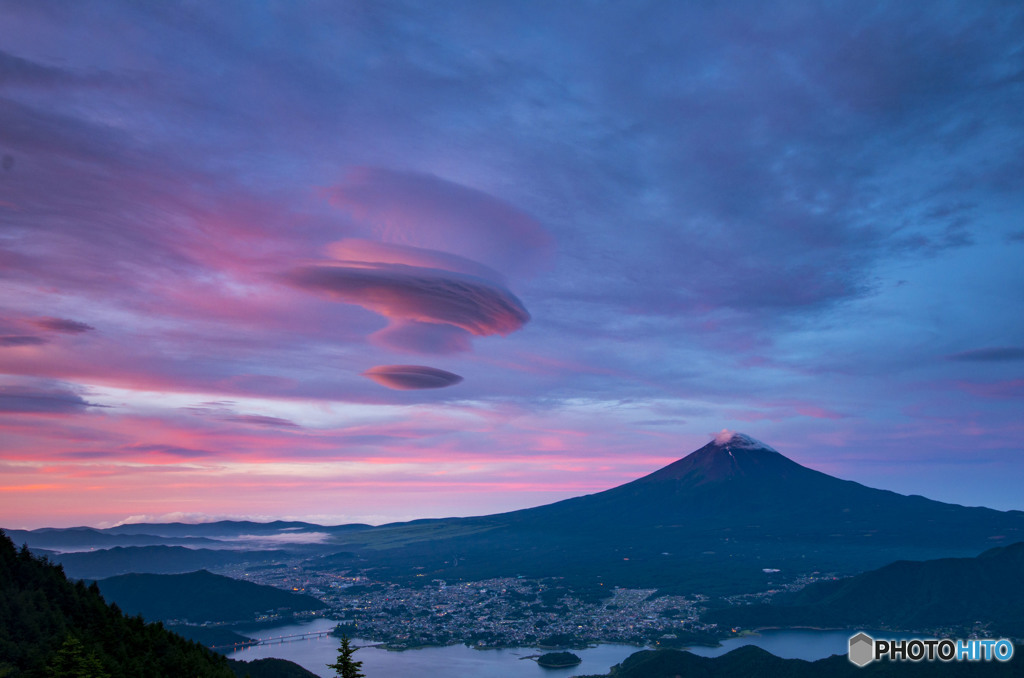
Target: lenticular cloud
[(427, 258), (426, 295), (411, 377)]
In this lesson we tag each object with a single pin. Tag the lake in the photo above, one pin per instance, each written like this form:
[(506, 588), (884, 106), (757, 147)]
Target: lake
[(453, 661), (459, 661)]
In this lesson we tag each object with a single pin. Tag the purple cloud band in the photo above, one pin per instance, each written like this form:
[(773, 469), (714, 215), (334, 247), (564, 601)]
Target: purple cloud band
[(26, 400)]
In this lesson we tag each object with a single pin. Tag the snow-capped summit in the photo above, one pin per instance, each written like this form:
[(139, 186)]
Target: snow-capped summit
[(727, 438)]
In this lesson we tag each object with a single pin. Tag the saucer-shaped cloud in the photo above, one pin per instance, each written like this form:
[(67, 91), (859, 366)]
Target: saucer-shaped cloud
[(425, 295), (411, 377)]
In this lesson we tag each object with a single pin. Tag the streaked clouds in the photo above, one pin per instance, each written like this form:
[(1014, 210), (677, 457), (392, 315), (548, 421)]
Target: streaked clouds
[(62, 325), (623, 225)]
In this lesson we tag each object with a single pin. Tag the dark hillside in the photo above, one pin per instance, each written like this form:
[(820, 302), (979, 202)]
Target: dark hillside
[(200, 597), (50, 625), (753, 662), (948, 592)]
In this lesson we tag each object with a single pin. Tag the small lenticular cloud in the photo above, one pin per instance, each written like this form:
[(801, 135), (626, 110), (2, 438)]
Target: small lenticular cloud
[(261, 420), (411, 377)]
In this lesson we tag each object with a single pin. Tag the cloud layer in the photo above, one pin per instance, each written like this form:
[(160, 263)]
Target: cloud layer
[(623, 226)]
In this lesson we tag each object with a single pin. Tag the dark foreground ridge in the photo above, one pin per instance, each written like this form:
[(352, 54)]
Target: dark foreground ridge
[(753, 662), (50, 626)]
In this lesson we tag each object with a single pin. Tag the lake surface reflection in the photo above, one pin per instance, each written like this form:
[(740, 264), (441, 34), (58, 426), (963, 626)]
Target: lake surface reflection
[(459, 661), (453, 661)]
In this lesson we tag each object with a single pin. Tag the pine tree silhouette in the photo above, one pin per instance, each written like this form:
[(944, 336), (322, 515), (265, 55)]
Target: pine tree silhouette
[(346, 667)]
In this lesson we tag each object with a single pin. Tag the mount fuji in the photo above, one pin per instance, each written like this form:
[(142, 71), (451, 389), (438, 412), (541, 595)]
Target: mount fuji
[(733, 516)]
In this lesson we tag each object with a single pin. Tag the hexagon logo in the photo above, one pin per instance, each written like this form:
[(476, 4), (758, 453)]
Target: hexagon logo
[(862, 649)]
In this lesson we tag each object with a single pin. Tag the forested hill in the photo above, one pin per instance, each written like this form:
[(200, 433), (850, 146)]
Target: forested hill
[(911, 595), (50, 626), (200, 596)]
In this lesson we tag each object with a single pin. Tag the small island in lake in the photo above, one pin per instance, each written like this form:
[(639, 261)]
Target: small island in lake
[(558, 660)]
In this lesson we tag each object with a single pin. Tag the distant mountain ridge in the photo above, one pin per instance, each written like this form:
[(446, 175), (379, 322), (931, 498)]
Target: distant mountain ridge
[(154, 560), (78, 538), (229, 528)]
